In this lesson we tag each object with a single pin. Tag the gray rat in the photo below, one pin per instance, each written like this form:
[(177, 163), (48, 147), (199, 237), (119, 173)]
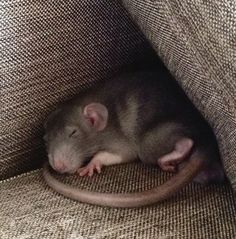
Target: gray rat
[(143, 115)]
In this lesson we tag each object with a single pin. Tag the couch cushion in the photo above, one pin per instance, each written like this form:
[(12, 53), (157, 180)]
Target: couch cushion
[(30, 209), (196, 41), (49, 51)]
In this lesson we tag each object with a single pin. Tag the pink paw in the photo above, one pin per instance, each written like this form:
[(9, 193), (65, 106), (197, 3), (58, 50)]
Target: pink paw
[(90, 168), (167, 164), (170, 161)]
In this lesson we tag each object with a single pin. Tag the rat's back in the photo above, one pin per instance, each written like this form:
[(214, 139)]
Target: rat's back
[(143, 99)]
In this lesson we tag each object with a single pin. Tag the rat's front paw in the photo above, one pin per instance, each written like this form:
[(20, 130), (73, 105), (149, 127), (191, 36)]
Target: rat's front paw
[(90, 168)]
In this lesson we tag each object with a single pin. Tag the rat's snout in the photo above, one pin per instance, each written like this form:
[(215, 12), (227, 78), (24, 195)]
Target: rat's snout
[(63, 159), (59, 166), (57, 163)]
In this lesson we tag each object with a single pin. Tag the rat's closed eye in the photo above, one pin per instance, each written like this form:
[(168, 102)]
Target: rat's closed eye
[(73, 133)]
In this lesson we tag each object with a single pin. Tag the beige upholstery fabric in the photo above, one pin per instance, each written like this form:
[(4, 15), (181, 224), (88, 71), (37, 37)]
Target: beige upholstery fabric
[(197, 42), (49, 50), (29, 209)]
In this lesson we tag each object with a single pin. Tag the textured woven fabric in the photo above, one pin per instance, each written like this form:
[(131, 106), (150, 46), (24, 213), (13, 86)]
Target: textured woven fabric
[(49, 50), (197, 42), (30, 209)]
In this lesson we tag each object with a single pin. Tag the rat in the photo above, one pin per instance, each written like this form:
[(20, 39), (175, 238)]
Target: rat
[(138, 115)]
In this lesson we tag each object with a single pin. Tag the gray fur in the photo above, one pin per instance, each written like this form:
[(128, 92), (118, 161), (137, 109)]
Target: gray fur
[(147, 115)]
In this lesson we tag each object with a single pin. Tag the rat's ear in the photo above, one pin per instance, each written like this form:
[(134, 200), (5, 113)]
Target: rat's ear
[(97, 115)]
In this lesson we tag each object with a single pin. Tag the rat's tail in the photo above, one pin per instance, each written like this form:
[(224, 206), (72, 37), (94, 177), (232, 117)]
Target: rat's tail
[(128, 200)]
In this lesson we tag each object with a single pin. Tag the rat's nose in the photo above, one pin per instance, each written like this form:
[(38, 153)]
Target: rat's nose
[(59, 166)]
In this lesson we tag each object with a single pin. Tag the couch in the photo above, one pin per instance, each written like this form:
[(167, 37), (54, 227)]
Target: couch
[(50, 50)]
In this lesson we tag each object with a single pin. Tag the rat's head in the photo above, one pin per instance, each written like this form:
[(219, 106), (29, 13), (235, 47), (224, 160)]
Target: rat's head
[(70, 135)]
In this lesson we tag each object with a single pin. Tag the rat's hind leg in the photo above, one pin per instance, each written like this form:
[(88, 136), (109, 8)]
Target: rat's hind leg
[(182, 150), (166, 145)]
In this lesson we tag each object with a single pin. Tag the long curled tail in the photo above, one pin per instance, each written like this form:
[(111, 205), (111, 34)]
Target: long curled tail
[(128, 200)]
